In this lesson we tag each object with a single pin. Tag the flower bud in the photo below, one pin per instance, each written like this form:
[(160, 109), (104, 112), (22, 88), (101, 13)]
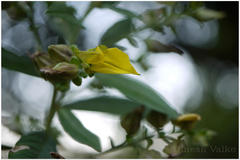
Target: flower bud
[(186, 121), (60, 53), (157, 119), (131, 121), (158, 47), (77, 81), (42, 60), (61, 72), (174, 148)]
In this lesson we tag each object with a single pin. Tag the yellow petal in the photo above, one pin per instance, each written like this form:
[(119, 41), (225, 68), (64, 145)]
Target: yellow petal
[(108, 69), (91, 57), (190, 117), (117, 61)]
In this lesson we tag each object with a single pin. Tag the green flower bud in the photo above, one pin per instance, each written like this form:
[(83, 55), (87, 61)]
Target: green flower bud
[(131, 121), (157, 119), (83, 74), (77, 81), (76, 61), (61, 72), (60, 53)]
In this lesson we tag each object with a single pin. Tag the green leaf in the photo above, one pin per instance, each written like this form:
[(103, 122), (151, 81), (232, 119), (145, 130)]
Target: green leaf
[(33, 145), (76, 129), (18, 63), (59, 7), (118, 31), (63, 21), (139, 92), (112, 105), (132, 41)]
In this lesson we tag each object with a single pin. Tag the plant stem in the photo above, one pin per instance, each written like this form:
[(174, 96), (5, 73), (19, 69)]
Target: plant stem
[(86, 13), (52, 110), (37, 37), (28, 8)]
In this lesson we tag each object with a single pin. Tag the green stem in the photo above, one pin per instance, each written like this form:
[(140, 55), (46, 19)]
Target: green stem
[(37, 37), (86, 14), (52, 110), (28, 8)]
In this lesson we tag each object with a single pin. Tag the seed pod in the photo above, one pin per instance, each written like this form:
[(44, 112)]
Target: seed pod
[(131, 121), (157, 119)]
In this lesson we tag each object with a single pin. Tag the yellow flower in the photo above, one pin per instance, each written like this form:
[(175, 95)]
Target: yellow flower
[(107, 60), (186, 121), (190, 117)]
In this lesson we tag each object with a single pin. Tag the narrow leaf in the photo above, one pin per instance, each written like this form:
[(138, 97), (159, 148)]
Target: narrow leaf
[(18, 63), (63, 21), (112, 105), (117, 32), (76, 129), (139, 92)]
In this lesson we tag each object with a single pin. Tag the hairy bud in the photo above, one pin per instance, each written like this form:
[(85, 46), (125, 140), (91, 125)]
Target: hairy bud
[(61, 72), (157, 119), (60, 53), (131, 121)]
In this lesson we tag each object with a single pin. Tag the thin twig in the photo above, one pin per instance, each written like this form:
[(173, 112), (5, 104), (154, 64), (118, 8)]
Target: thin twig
[(52, 110)]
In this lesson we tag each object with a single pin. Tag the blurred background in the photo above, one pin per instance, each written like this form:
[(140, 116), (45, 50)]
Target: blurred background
[(203, 80)]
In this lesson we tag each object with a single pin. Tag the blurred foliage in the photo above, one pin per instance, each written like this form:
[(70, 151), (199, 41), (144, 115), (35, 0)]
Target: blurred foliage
[(59, 19), (34, 145), (65, 23)]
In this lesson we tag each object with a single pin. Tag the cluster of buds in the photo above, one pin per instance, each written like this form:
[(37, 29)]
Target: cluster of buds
[(60, 66)]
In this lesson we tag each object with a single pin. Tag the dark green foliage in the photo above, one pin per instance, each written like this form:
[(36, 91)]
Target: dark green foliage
[(76, 129), (18, 63), (34, 145), (107, 104), (139, 92), (118, 31)]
